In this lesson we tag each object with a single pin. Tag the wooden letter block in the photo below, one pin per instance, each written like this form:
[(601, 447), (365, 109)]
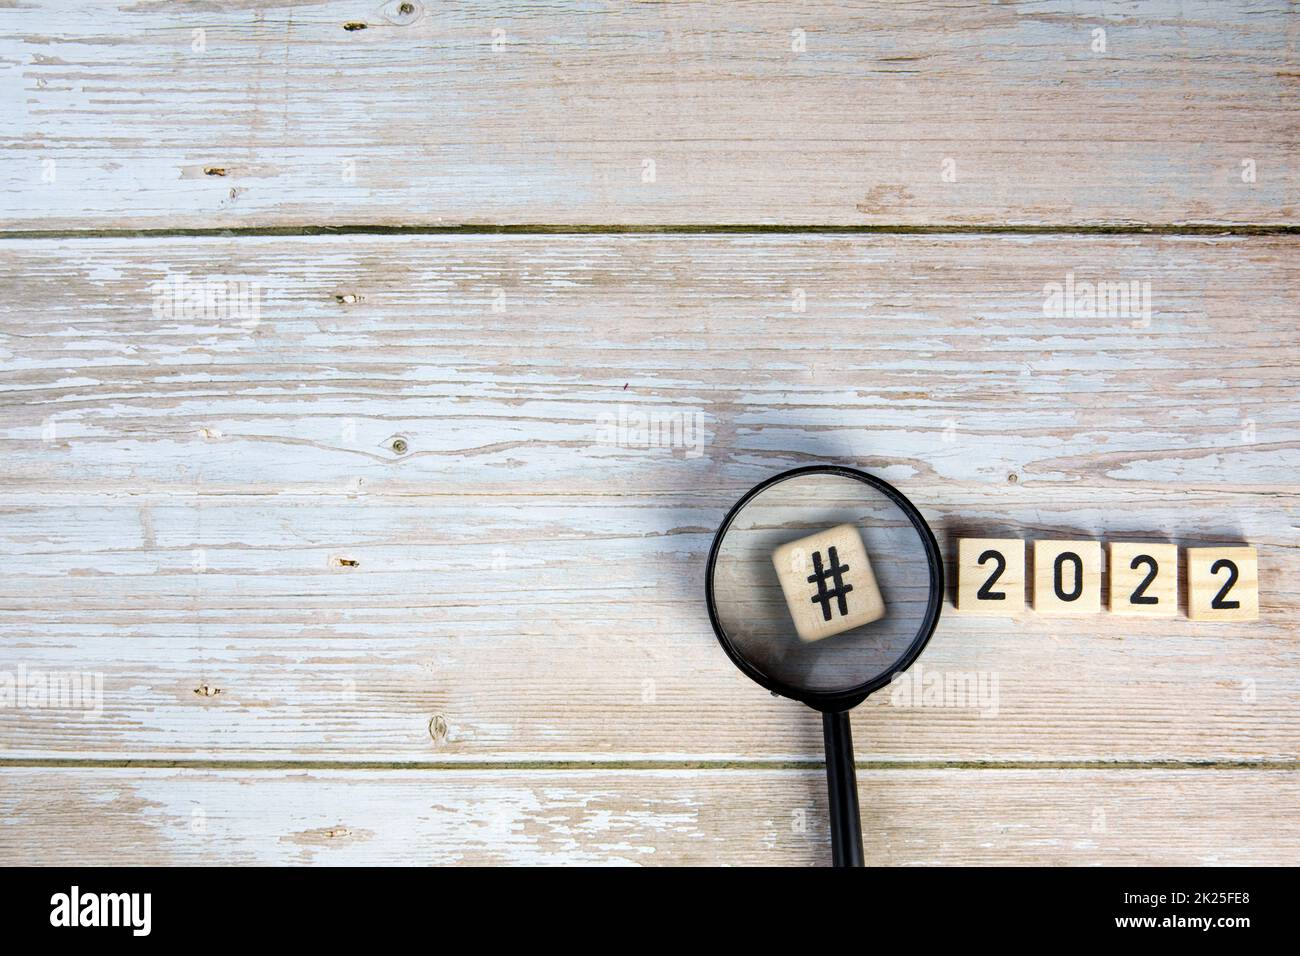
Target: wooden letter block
[(1067, 577), (991, 575), (1144, 579), (1222, 584), (828, 583)]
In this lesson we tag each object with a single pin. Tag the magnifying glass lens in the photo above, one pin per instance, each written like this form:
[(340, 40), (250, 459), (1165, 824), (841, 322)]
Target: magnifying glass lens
[(756, 612)]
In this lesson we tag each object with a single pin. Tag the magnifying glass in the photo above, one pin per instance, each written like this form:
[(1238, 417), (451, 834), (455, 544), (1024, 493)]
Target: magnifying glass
[(822, 583)]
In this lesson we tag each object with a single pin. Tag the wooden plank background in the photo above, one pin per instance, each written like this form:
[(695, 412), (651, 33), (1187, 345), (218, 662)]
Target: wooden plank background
[(489, 112), (272, 536), (180, 491), (618, 817)]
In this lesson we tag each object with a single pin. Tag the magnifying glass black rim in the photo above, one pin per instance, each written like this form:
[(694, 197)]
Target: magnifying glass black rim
[(834, 701)]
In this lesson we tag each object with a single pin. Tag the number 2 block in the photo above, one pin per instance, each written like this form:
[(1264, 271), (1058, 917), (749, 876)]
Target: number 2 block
[(1222, 584), (1144, 579), (991, 575), (1067, 577)]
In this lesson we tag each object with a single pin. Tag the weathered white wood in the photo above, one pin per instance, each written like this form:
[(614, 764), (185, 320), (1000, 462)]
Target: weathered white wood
[(591, 639), (741, 817), (179, 493), (928, 358), (751, 112), (271, 539)]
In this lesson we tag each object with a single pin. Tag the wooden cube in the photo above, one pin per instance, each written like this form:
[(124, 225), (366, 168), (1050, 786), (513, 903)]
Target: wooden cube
[(1222, 584), (1144, 579), (828, 583), (1067, 577), (991, 575)]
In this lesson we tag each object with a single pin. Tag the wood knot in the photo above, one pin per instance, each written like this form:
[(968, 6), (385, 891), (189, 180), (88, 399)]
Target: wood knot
[(438, 729), (353, 25), (402, 13), (207, 690), (214, 170)]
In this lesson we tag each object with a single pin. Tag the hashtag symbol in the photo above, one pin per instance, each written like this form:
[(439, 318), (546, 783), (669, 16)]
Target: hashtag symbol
[(819, 576)]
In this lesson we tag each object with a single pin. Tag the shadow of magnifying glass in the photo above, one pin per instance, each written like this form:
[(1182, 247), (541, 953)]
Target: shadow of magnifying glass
[(752, 617)]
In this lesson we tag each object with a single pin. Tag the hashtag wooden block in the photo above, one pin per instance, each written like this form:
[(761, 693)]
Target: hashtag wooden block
[(1222, 584), (1067, 577), (991, 575), (1143, 579), (828, 583)]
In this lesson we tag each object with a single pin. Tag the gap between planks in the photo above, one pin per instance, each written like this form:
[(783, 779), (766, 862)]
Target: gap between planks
[(19, 763), (711, 229)]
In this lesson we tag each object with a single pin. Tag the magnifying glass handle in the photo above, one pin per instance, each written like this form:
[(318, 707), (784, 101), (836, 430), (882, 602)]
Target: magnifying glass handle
[(842, 786)]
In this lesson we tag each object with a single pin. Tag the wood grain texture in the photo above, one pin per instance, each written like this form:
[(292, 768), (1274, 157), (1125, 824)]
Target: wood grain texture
[(181, 494), (503, 364), (406, 564), (490, 112), (737, 817)]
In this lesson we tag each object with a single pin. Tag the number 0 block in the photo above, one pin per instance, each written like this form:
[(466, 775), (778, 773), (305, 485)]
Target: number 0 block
[(1222, 584), (1144, 579), (1067, 577), (828, 583), (991, 575)]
